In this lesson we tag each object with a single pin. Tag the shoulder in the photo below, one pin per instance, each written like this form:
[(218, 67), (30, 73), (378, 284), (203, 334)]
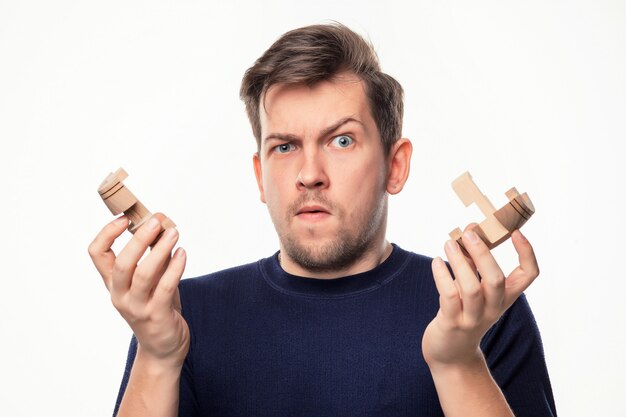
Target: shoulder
[(415, 266), (420, 261), (220, 279), (512, 340), (218, 292), (411, 259), (516, 324), (515, 356)]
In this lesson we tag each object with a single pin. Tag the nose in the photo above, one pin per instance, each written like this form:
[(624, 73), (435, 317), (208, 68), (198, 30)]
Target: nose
[(312, 174)]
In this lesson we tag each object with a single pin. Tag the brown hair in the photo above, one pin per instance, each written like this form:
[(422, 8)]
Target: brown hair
[(318, 52)]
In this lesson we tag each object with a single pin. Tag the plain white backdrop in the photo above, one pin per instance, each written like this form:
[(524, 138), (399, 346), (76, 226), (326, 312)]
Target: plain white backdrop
[(527, 94)]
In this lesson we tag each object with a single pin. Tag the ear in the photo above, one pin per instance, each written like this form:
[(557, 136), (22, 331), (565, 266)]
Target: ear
[(256, 162), (399, 165)]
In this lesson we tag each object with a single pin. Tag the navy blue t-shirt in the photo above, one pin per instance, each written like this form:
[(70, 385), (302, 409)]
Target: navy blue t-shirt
[(267, 343)]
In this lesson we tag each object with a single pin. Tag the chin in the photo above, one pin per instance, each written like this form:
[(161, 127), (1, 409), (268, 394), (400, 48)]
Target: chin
[(325, 254)]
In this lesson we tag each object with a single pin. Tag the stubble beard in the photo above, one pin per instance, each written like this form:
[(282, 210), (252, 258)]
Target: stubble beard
[(349, 245)]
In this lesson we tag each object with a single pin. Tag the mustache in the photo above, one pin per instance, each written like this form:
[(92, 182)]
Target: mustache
[(310, 198)]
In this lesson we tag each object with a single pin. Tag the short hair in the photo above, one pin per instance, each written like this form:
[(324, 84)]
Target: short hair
[(316, 53)]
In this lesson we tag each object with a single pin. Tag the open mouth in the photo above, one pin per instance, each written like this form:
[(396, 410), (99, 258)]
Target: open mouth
[(312, 210), (313, 213)]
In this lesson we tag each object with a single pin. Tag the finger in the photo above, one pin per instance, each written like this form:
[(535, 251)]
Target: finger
[(100, 250), (492, 278), (471, 291), (524, 275), (127, 260), (449, 298), (165, 291), (470, 226), (147, 274)]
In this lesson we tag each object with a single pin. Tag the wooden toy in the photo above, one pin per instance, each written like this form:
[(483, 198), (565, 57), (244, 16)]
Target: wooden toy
[(118, 198), (498, 224)]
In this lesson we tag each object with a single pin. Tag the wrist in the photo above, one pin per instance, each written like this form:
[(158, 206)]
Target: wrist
[(153, 387), (470, 363), (467, 388), (156, 366)]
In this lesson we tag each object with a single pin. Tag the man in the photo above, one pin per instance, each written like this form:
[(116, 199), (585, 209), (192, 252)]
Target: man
[(339, 322)]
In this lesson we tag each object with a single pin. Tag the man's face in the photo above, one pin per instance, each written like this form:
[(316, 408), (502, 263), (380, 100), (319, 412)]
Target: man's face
[(322, 172)]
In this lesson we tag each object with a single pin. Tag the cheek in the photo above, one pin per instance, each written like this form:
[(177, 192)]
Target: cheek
[(275, 186), (370, 175), (361, 187)]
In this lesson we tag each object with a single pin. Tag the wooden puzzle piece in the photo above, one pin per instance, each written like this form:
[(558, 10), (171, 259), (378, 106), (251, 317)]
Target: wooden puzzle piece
[(118, 198), (498, 224)]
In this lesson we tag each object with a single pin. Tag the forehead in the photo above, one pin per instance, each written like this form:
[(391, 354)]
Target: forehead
[(301, 109)]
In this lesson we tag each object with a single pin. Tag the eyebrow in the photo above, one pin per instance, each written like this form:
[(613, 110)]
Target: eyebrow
[(327, 131)]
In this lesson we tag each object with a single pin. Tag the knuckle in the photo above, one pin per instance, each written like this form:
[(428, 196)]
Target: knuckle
[(168, 287), (120, 267), (532, 272), (117, 302), (144, 237), (496, 286), (496, 282), (450, 294), (136, 311), (147, 231), (499, 277), (479, 247), (469, 324), (92, 249), (141, 275), (145, 278), (473, 292)]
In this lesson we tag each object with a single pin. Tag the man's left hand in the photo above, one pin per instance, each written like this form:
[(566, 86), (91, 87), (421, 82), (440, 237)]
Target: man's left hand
[(472, 302)]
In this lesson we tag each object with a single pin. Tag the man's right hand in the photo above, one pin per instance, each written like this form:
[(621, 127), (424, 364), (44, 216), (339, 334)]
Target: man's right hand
[(146, 294)]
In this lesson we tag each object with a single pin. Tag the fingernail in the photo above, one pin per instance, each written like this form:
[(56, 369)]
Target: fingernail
[(122, 220), (180, 253), (438, 262), (170, 234), (153, 223), (452, 246), (471, 236), (521, 235)]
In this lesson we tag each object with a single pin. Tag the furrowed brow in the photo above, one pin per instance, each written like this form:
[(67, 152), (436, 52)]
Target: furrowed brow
[(327, 131), (280, 136), (335, 126)]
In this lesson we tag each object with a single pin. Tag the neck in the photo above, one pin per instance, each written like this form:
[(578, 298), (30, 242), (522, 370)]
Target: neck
[(370, 260)]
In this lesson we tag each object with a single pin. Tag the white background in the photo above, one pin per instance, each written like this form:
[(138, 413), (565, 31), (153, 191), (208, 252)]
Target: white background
[(528, 94)]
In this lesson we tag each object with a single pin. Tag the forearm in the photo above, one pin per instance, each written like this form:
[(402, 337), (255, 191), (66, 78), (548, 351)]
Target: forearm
[(469, 391), (152, 390)]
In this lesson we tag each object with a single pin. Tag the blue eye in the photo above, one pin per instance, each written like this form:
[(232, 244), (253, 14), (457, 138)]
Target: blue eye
[(284, 148), (343, 141)]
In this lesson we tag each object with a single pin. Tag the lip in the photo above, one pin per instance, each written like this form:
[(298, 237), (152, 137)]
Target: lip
[(312, 210)]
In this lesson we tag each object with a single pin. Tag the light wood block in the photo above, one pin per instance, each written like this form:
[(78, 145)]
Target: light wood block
[(118, 198), (498, 224)]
